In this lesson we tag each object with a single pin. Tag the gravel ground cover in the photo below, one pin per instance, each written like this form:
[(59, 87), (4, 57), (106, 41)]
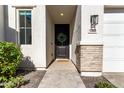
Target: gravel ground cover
[(91, 81), (34, 77)]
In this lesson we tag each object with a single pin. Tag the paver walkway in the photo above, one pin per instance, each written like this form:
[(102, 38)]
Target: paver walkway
[(62, 74)]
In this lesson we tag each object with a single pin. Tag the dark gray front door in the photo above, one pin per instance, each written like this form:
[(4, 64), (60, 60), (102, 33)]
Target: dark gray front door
[(62, 40), (62, 51)]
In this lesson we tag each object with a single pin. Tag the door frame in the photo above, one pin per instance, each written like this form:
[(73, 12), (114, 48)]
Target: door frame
[(68, 42)]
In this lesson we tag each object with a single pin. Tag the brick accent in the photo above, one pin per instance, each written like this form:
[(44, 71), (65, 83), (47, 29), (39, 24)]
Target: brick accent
[(90, 57)]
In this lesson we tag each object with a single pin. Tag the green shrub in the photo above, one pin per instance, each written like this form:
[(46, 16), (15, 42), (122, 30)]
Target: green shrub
[(10, 58), (15, 82), (3, 79), (104, 85)]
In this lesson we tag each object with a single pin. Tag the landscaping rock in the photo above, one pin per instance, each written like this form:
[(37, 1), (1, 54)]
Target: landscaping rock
[(91, 81), (34, 78)]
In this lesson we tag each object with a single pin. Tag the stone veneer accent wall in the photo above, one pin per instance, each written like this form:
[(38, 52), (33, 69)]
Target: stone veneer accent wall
[(90, 57)]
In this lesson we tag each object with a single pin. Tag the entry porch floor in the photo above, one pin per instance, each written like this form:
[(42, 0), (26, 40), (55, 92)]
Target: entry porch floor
[(62, 74)]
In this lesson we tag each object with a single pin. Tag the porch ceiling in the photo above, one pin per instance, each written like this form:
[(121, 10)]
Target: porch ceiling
[(67, 10)]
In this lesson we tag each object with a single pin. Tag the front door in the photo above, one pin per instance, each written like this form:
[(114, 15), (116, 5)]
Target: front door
[(62, 40)]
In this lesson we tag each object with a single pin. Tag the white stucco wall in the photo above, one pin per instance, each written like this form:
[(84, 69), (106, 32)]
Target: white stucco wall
[(71, 36), (82, 27), (36, 52), (10, 23), (1, 23), (50, 47), (76, 34), (86, 12)]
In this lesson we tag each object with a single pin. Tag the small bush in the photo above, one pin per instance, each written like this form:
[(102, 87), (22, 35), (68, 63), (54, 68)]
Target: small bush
[(3, 79), (10, 58), (15, 82), (104, 85)]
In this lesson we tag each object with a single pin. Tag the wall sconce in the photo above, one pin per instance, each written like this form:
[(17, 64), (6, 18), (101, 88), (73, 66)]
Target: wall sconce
[(93, 22)]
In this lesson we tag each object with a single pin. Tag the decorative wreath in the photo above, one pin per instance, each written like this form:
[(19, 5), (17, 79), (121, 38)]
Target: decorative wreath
[(61, 37)]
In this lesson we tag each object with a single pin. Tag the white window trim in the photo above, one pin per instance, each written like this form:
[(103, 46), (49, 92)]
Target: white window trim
[(18, 25)]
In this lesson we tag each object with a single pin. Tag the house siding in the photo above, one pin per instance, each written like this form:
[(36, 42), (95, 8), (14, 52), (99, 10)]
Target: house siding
[(35, 53), (10, 24), (86, 36), (101, 51), (37, 50), (91, 58), (50, 43), (90, 48), (76, 36), (2, 23)]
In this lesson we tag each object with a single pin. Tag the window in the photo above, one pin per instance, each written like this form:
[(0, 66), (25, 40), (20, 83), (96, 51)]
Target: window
[(25, 27)]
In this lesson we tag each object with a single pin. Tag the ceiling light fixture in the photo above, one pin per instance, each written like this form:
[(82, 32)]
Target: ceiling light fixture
[(61, 14)]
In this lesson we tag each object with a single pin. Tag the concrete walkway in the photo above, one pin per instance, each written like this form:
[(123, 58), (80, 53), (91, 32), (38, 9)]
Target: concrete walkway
[(116, 78), (62, 74)]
